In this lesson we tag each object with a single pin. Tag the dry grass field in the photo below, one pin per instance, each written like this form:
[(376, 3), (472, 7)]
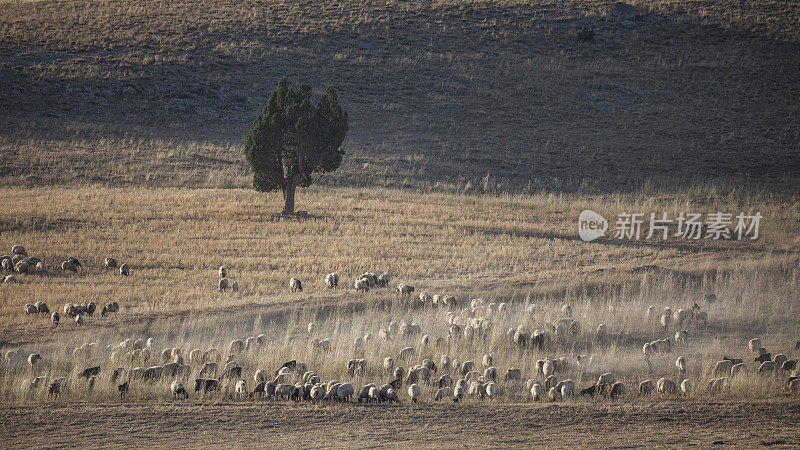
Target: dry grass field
[(478, 132)]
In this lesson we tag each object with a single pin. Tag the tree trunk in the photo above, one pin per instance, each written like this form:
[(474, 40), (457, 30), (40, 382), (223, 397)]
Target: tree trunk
[(288, 197)]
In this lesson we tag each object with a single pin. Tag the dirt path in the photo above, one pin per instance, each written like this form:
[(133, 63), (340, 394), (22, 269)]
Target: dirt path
[(763, 422)]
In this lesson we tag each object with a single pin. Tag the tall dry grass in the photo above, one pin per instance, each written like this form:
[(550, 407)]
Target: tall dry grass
[(513, 249), (758, 301)]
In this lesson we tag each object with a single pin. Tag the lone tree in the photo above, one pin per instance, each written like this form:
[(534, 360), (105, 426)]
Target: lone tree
[(293, 138)]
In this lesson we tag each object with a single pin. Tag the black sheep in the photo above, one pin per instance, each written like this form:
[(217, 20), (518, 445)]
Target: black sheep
[(764, 357), (90, 371)]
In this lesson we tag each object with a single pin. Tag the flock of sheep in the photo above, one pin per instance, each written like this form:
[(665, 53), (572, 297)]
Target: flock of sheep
[(19, 263), (422, 368)]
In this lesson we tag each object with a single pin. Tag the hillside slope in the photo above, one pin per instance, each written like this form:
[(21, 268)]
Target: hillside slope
[(460, 96)]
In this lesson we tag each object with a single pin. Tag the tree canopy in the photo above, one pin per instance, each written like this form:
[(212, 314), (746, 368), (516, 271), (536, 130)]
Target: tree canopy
[(293, 138)]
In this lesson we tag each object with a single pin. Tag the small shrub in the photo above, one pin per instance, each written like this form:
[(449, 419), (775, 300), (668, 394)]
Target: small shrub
[(585, 34)]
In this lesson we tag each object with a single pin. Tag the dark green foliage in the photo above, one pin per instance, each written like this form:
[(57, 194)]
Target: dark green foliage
[(585, 34), (293, 138)]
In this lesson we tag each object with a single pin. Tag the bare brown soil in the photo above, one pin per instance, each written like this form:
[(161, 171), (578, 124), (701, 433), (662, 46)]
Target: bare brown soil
[(743, 424)]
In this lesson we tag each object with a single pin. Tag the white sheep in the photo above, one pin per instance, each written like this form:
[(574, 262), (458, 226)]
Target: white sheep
[(332, 280), (361, 285), (406, 353), (222, 285), (536, 392), (686, 387), (177, 390), (240, 389), (458, 394), (223, 272), (680, 363), (295, 285), (681, 336), (754, 344), (737, 369), (443, 393), (548, 368), (79, 319), (404, 289), (345, 391), (554, 394), (646, 388), (665, 386), (723, 367)]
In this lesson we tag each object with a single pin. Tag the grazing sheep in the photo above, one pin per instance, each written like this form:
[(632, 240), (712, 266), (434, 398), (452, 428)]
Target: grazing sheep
[(41, 268), (406, 353), (764, 357), (209, 368), (425, 298), (240, 389), (458, 394), (222, 285), (754, 344), (404, 289), (680, 363), (686, 387), (767, 367), (737, 369), (383, 279), (646, 388), (665, 320), (33, 358), (55, 318), (717, 384), (332, 280), (681, 336), (566, 388), (79, 319), (31, 309), (10, 279), (295, 285), (222, 272), (606, 379), (111, 263), (723, 367), (68, 266), (123, 390), (442, 393), (22, 267), (361, 285), (548, 368), (205, 385), (487, 360), (513, 374), (492, 390), (178, 391), (733, 360), (665, 386), (19, 250), (617, 390), (345, 392), (554, 394), (789, 365), (235, 286), (779, 359)]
